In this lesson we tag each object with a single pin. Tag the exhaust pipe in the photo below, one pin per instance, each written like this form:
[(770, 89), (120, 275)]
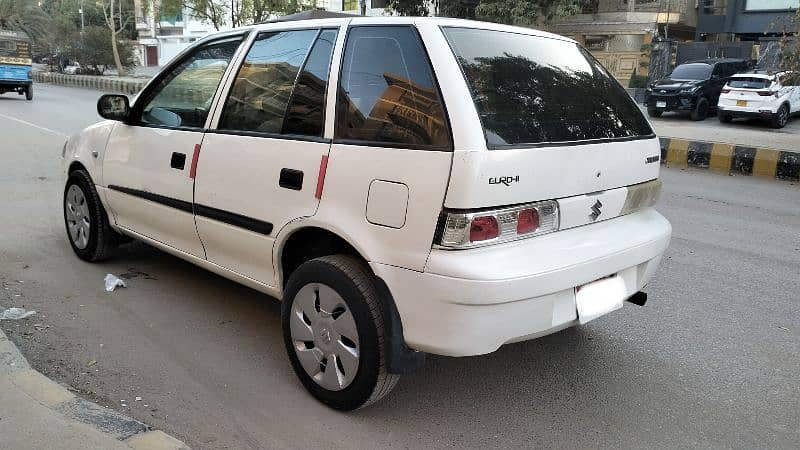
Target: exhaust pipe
[(639, 298)]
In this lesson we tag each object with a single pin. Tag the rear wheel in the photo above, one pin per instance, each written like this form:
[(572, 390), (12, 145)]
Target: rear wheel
[(700, 111), (29, 93), (89, 233), (653, 112), (780, 118), (334, 332)]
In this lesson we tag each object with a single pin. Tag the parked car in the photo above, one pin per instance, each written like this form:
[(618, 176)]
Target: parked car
[(404, 185), (771, 96), (693, 87)]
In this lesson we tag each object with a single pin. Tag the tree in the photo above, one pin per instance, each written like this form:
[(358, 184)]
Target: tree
[(94, 51), (116, 22), (408, 7), (463, 9), (210, 11), (529, 12), (25, 16), (789, 45)]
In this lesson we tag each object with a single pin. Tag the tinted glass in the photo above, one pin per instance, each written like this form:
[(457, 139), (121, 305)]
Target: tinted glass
[(530, 90), (260, 94), (183, 98), (749, 83), (696, 71), (387, 93), (306, 112)]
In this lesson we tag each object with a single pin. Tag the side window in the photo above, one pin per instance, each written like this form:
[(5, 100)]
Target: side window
[(183, 98), (387, 92), (718, 70), (306, 112), (262, 89)]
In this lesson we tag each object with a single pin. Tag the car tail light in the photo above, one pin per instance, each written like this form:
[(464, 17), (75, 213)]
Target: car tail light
[(768, 93), (726, 91), (472, 229), (640, 196)]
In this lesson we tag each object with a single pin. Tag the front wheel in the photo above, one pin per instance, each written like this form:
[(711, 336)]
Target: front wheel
[(700, 112), (334, 332), (89, 233)]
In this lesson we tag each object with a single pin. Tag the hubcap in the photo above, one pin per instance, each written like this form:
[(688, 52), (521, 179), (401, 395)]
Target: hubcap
[(325, 336), (77, 211)]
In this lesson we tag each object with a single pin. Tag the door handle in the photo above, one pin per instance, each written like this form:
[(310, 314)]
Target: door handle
[(178, 160), (291, 179)]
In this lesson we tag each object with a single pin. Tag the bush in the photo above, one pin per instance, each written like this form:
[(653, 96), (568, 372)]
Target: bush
[(637, 81), (93, 51)]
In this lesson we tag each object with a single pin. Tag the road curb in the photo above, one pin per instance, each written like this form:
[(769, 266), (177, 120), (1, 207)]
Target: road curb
[(731, 159), (48, 393), (108, 84)]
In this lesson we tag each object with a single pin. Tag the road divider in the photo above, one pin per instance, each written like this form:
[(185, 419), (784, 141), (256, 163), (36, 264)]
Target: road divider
[(731, 159), (109, 84)]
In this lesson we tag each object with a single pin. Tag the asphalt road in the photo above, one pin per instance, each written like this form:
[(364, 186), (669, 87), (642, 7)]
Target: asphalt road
[(711, 361), (746, 132)]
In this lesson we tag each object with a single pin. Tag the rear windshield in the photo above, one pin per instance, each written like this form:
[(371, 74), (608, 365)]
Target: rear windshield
[(749, 83), (697, 71), (537, 90)]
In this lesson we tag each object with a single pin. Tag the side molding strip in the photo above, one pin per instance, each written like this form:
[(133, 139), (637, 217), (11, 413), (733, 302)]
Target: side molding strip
[(237, 220)]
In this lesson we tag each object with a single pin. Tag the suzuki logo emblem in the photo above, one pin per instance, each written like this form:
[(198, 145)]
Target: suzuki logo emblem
[(596, 210)]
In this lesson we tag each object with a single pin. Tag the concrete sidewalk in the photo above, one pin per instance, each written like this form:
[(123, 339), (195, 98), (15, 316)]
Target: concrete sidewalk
[(38, 413)]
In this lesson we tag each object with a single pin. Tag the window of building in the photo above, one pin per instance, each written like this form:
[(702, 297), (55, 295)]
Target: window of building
[(350, 5), (260, 94), (387, 92)]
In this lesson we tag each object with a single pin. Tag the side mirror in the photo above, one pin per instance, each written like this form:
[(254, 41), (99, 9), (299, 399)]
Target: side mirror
[(114, 107)]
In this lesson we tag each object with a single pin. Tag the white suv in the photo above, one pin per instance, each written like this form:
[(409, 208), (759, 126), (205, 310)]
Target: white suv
[(404, 185), (771, 96)]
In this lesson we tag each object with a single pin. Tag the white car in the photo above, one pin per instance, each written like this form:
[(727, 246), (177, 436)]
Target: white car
[(771, 96), (404, 185)]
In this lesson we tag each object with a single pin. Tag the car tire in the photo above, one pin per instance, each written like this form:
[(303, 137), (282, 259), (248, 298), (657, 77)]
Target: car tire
[(29, 93), (700, 111), (724, 118), (331, 312), (85, 219), (780, 118), (653, 112)]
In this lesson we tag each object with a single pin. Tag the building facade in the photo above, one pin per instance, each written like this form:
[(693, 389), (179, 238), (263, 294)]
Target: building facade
[(743, 20), (618, 32)]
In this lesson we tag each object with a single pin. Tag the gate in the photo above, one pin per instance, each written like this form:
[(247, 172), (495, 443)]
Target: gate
[(693, 51), (661, 57)]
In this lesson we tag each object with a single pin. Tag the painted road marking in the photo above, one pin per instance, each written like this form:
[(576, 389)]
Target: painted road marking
[(33, 125)]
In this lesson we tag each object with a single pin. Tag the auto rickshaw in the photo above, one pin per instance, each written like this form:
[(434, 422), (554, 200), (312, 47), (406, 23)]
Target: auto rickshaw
[(15, 64)]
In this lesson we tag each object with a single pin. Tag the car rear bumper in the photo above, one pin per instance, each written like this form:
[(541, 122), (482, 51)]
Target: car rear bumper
[(470, 302), (6, 83), (739, 111)]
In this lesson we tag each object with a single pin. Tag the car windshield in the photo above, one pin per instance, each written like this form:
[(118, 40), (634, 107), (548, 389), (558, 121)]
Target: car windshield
[(692, 72), (534, 90), (749, 83)]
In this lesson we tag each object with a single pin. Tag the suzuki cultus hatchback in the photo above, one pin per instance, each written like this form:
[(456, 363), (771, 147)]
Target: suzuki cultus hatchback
[(405, 186)]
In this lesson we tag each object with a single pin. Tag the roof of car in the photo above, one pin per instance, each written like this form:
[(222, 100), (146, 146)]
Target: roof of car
[(315, 18)]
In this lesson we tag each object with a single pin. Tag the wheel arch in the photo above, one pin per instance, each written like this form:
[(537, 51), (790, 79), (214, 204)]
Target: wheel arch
[(303, 240)]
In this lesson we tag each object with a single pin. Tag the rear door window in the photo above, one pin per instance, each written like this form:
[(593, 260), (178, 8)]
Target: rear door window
[(387, 92), (749, 83), (537, 90), (260, 95)]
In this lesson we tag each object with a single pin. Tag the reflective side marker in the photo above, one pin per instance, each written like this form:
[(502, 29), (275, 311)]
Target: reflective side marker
[(323, 167), (195, 157)]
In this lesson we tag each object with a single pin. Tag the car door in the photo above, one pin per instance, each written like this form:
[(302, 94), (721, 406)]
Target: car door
[(259, 163), (147, 166)]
